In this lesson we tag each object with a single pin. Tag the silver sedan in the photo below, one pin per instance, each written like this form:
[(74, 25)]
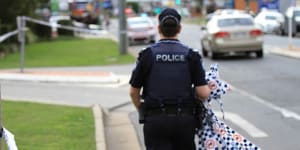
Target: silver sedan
[(141, 29), (231, 33)]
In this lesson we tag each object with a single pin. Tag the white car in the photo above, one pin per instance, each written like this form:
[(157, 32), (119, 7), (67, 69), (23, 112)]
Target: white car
[(231, 34), (292, 14), (141, 29), (270, 21), (219, 12)]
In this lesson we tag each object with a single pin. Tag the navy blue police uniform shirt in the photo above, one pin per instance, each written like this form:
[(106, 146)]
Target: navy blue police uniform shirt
[(143, 67)]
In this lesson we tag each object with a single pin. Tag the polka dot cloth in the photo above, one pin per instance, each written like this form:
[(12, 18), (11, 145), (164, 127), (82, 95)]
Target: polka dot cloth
[(216, 135)]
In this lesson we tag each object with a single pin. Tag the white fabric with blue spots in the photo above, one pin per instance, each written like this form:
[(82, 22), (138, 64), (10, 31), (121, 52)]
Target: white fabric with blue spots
[(216, 135)]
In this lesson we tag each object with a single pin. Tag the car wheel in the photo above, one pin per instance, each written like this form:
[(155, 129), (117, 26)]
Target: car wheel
[(204, 51), (278, 32), (152, 41), (285, 33), (259, 54), (130, 43), (282, 32), (214, 55)]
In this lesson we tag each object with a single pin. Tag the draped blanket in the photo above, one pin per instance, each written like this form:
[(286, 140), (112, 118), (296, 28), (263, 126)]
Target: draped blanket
[(216, 135)]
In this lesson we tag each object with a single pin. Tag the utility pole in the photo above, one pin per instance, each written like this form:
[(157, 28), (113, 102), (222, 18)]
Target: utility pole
[(101, 15), (123, 42), (247, 6), (21, 37), (290, 26)]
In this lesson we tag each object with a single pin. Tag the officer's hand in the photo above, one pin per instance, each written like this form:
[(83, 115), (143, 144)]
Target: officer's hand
[(212, 85)]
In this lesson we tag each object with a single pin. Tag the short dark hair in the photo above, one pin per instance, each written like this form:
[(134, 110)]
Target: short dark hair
[(169, 22), (169, 28)]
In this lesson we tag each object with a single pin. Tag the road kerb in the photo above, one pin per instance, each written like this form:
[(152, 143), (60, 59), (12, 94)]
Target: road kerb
[(99, 127), (62, 78), (286, 52)]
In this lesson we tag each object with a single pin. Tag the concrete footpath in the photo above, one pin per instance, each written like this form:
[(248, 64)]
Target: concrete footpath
[(293, 52), (68, 76)]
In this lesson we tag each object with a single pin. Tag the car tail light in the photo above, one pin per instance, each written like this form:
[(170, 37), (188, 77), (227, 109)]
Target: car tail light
[(130, 29), (221, 34), (256, 32)]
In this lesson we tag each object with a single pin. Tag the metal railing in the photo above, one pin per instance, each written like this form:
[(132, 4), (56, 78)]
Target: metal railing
[(8, 35)]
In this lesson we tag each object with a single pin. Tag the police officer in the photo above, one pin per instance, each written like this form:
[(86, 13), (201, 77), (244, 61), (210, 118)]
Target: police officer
[(167, 72)]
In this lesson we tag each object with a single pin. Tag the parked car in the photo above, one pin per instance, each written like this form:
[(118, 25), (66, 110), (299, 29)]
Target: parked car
[(294, 14), (222, 12), (270, 21), (226, 11), (231, 33), (141, 29)]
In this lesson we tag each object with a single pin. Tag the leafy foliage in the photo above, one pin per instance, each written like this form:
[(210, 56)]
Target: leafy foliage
[(10, 9)]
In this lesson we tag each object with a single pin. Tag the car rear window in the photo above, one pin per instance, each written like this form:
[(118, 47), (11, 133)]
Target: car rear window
[(131, 22), (297, 13), (271, 17), (235, 21)]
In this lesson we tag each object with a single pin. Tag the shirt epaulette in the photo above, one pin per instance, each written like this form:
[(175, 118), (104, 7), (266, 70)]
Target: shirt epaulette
[(195, 50), (144, 50)]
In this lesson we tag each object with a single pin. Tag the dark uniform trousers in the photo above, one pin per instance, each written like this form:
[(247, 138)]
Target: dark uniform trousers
[(170, 132)]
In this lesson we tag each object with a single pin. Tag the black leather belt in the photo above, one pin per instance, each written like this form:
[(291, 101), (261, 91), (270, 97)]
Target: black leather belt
[(170, 111)]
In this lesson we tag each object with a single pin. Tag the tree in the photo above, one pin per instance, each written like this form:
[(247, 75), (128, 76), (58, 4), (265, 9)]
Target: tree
[(10, 9), (211, 7), (199, 6)]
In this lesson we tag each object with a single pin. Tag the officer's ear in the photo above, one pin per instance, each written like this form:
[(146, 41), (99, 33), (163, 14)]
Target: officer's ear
[(158, 29), (179, 29)]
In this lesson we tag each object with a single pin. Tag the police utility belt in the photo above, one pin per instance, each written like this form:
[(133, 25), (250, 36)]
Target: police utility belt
[(170, 110), (162, 109)]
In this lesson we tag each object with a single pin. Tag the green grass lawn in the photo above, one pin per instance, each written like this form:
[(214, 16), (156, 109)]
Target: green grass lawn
[(49, 127), (68, 52)]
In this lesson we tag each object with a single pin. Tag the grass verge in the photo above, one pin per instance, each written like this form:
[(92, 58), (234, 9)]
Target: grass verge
[(68, 52), (49, 127)]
